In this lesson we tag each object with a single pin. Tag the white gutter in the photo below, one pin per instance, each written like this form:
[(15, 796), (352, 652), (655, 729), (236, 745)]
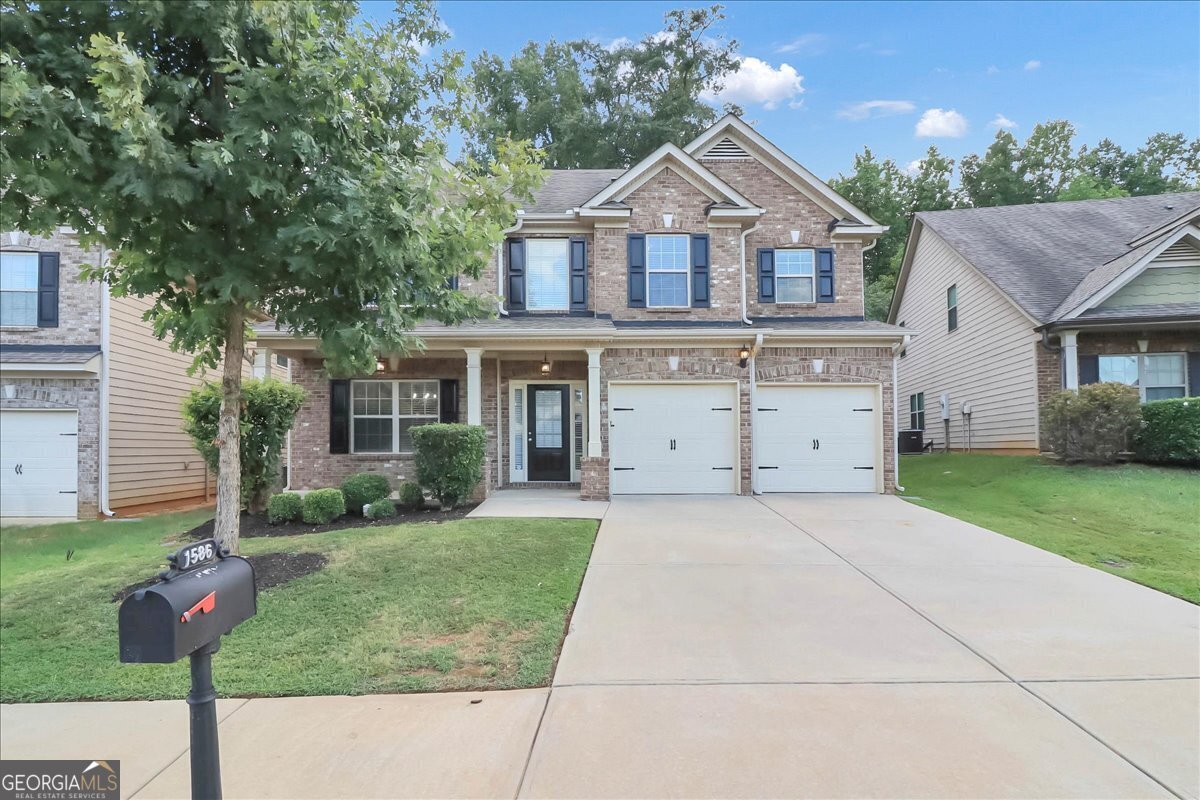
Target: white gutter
[(105, 354), (500, 262), (746, 233), (896, 348)]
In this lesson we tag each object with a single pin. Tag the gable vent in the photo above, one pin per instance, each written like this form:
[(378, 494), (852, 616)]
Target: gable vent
[(1181, 254), (726, 148)]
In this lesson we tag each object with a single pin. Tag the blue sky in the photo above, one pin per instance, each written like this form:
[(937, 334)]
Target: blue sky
[(824, 79)]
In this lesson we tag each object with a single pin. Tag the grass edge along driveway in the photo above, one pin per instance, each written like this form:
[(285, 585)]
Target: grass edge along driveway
[(1139, 522), (469, 604)]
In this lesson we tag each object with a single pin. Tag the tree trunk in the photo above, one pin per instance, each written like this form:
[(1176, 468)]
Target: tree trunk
[(229, 434)]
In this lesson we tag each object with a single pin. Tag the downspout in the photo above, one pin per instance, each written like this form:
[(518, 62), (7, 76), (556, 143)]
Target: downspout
[(896, 408), (105, 353), (758, 340), (745, 233), (499, 428), (500, 262)]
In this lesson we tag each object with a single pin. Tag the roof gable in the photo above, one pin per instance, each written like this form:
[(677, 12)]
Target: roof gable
[(690, 169)]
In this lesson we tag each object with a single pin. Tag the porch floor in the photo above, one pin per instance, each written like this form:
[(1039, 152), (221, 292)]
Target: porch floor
[(544, 503)]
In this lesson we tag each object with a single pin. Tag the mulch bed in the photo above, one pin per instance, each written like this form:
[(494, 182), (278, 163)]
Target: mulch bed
[(270, 570), (255, 525)]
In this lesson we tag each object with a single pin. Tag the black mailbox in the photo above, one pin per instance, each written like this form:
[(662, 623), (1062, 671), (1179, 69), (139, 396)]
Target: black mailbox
[(202, 597)]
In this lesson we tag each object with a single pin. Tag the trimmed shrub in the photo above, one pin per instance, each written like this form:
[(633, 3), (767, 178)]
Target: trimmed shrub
[(363, 489), (268, 410), (1170, 431), (284, 507), (411, 495), (1095, 425), (449, 460), (323, 506), (381, 509)]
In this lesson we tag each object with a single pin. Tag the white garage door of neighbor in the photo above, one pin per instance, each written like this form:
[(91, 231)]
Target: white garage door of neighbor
[(676, 438), (816, 438), (39, 452)]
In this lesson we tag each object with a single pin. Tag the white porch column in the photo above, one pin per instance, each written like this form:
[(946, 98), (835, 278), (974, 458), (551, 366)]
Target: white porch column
[(474, 386), (1070, 356), (594, 448)]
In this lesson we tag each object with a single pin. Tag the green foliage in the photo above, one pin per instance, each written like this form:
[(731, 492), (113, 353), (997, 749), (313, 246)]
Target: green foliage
[(1094, 425), (363, 489), (268, 409), (411, 495), (1085, 187), (284, 507), (323, 506), (449, 460), (590, 105), (381, 509), (1170, 432)]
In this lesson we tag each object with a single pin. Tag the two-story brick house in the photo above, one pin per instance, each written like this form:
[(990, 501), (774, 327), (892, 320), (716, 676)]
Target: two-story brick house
[(693, 324)]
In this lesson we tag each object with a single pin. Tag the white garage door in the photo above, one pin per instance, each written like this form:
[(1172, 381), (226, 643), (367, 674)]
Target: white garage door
[(816, 438), (39, 453), (676, 438)]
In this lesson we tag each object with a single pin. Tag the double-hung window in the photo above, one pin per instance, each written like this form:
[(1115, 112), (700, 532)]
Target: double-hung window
[(383, 413), (18, 289), (952, 308), (547, 270), (1157, 377), (916, 411), (795, 280), (667, 271)]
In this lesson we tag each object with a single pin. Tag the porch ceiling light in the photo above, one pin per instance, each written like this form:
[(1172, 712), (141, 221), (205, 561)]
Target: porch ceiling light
[(545, 365), (744, 356)]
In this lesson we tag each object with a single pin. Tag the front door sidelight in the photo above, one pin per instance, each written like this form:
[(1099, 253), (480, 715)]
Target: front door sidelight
[(548, 432)]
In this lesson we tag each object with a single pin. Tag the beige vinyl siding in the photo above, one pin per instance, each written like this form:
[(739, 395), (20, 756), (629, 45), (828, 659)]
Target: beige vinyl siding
[(988, 361), (150, 459), (1159, 285)]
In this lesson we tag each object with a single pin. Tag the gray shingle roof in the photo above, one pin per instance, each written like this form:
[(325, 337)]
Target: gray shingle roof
[(568, 188), (1147, 311), (1039, 254), (47, 353)]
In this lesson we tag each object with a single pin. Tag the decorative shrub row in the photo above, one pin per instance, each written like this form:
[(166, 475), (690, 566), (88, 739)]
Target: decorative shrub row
[(323, 506), (284, 507), (1170, 432), (363, 489), (1106, 420)]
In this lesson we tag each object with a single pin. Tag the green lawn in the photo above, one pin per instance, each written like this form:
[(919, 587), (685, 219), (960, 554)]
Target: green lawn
[(1139, 522), (466, 604)]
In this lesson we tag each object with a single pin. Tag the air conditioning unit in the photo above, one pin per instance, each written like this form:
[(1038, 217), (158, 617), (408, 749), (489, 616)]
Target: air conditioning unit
[(912, 442)]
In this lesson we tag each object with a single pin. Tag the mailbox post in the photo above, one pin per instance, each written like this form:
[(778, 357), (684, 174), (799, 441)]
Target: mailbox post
[(203, 595)]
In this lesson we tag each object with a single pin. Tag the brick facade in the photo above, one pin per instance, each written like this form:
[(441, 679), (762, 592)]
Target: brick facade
[(1119, 343), (1049, 372)]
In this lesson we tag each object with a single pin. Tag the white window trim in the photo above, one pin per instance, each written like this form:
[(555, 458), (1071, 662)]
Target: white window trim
[(812, 279), (22, 325), (395, 416), (686, 271), (953, 287), (566, 243), (1143, 370)]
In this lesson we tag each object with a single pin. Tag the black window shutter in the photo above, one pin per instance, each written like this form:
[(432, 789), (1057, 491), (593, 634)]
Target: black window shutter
[(339, 416), (766, 275), (516, 274), (1193, 368), (47, 290), (578, 273), (452, 282), (448, 400), (1089, 369), (700, 263), (825, 292), (636, 247)]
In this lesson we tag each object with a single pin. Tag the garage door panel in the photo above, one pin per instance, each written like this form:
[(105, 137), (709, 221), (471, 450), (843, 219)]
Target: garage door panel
[(38, 463)]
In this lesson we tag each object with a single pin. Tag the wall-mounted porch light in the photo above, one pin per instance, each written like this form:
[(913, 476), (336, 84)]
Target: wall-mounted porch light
[(380, 365), (1143, 345), (668, 219), (744, 356), (545, 368)]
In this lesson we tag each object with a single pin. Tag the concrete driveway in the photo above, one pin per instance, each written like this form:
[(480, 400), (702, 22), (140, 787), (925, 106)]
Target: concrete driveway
[(860, 646)]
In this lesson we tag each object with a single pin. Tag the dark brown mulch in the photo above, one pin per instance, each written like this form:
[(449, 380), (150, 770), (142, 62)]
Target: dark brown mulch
[(270, 570), (255, 525)]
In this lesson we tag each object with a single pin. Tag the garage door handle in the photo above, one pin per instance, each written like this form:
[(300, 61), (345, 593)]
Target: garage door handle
[(816, 444), (18, 469)]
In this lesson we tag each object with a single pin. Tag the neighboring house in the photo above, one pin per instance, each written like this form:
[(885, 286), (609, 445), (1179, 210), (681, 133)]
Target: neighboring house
[(89, 398), (1015, 303), (693, 324)]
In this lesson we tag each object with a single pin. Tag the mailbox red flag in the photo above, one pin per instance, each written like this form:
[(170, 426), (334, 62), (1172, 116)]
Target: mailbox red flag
[(206, 605)]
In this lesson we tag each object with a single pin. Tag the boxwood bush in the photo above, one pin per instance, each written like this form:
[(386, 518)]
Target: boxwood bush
[(363, 489), (381, 509), (284, 507), (449, 460), (1170, 432), (1095, 425), (412, 495), (323, 506)]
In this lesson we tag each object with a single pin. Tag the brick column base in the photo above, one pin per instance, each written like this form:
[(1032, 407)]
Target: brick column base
[(485, 486), (594, 478)]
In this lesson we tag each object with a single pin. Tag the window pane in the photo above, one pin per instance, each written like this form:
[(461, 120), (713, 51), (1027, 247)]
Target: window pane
[(794, 290), (372, 435), (546, 279), (794, 262), (547, 411), (952, 297), (19, 271), (1168, 370), (418, 399), (1119, 369), (667, 253), (668, 288), (1164, 392), (406, 426), (18, 308)]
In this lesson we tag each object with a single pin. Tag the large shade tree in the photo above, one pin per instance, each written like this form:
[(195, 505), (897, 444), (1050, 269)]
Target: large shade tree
[(243, 157)]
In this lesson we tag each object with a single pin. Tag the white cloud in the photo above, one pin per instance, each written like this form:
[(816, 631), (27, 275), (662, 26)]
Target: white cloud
[(423, 48), (940, 122), (618, 43), (993, 70), (876, 108), (1002, 121), (1030, 66), (913, 167), (812, 44), (757, 82)]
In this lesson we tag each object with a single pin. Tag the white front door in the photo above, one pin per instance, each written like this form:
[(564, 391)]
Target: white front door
[(39, 463), (673, 438), (816, 438)]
